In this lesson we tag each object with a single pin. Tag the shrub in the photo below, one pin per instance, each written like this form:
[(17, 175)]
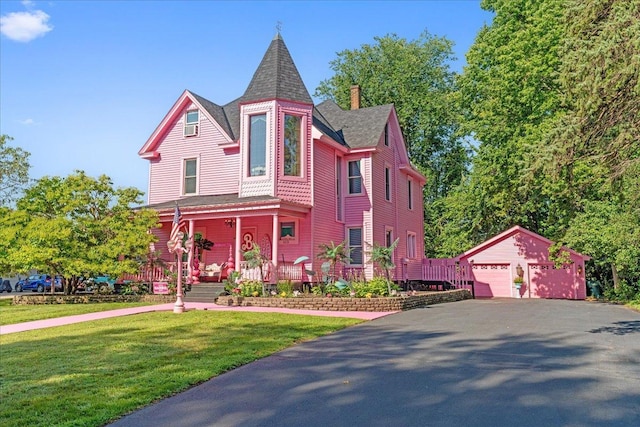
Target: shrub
[(378, 286), (285, 288), (624, 293), (336, 291), (251, 288), (134, 288)]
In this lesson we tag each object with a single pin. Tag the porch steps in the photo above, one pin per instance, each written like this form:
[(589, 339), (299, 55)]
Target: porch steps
[(204, 292)]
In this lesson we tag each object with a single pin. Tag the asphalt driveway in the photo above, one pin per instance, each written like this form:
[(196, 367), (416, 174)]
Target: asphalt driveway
[(472, 363)]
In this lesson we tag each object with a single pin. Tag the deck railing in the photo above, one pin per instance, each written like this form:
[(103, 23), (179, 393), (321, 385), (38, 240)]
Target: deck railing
[(446, 270)]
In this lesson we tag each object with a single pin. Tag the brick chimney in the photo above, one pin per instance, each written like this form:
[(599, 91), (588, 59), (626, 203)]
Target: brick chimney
[(355, 97)]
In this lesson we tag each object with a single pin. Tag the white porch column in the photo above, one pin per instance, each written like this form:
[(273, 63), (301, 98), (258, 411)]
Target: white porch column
[(191, 250), (238, 252), (274, 242)]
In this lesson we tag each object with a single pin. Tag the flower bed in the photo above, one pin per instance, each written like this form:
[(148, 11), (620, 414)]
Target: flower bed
[(399, 303)]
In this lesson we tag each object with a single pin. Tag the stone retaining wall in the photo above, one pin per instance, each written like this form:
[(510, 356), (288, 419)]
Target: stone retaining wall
[(349, 304), (89, 299)]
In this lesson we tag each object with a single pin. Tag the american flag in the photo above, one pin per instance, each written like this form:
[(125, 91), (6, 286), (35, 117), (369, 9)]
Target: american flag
[(175, 238)]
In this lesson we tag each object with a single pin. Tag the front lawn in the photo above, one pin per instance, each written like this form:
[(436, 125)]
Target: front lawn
[(90, 373), (10, 314)]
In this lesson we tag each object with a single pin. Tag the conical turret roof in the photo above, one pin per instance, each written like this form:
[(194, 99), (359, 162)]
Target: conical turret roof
[(277, 77)]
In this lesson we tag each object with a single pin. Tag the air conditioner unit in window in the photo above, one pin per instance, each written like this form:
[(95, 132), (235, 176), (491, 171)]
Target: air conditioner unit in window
[(190, 130)]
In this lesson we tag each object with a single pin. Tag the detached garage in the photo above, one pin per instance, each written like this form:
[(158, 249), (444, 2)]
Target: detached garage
[(519, 252)]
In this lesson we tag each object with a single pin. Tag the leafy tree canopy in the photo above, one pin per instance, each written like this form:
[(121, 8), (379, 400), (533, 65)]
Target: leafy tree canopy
[(414, 76), (14, 171), (76, 226)]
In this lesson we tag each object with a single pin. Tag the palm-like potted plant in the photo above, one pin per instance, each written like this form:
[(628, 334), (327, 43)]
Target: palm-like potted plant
[(383, 256), (334, 254)]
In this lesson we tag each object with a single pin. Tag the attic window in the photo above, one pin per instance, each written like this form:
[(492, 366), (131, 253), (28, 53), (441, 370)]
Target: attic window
[(386, 134), (191, 123)]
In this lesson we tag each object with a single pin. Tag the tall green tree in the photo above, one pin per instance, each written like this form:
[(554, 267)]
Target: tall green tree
[(414, 76), (508, 92), (594, 148), (76, 226), (14, 170)]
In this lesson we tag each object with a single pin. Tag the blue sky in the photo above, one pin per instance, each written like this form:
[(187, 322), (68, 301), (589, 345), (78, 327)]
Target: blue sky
[(83, 84)]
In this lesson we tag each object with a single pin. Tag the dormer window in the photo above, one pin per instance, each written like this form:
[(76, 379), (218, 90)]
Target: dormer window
[(191, 123), (258, 145), (292, 146)]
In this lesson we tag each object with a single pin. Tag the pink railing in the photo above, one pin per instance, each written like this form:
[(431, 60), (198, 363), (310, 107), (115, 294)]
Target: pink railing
[(446, 270), (156, 273)]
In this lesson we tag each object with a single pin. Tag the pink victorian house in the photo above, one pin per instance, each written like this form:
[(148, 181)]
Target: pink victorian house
[(274, 169)]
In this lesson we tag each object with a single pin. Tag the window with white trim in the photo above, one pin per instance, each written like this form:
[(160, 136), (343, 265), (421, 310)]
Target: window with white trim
[(257, 145), (388, 237), (292, 146), (355, 246), (288, 232), (339, 188), (387, 183), (411, 245), (190, 179), (355, 177), (191, 123), (410, 193)]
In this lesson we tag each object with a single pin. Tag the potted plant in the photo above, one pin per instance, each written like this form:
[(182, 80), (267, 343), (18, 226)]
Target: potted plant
[(517, 281)]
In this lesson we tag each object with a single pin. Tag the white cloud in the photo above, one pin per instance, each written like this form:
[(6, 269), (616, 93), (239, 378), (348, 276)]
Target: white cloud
[(25, 26), (27, 122)]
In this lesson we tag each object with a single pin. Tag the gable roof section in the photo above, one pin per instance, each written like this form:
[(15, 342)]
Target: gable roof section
[(212, 111), (359, 128), (508, 233), (277, 77)]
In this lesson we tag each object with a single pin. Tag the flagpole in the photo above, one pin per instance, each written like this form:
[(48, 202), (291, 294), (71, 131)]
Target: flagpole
[(179, 305), (175, 246)]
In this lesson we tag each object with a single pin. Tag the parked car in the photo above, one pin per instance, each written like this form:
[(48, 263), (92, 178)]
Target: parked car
[(39, 283), (5, 285), (99, 284)]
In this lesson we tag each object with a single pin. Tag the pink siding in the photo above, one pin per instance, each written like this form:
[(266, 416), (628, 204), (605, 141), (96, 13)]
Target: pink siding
[(395, 214), (522, 247), (325, 227), (217, 168), (295, 189)]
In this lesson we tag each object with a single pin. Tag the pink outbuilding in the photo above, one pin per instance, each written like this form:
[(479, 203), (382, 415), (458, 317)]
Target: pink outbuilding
[(494, 265)]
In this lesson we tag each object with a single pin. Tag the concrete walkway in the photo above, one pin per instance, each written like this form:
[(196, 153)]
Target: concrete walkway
[(67, 320)]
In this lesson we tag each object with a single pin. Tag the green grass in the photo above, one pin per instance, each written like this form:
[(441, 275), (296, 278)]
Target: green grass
[(10, 314), (89, 373)]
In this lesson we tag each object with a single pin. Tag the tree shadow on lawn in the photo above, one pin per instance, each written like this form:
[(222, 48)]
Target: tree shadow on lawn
[(98, 359)]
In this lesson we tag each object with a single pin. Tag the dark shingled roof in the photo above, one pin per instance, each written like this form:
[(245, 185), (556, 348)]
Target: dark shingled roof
[(217, 112), (277, 78), (216, 200), (360, 128)]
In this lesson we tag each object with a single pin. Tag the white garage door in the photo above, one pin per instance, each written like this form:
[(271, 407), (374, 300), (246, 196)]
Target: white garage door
[(492, 280)]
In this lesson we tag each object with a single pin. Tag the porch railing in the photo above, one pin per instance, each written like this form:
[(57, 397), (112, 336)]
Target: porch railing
[(285, 270), (155, 273)]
